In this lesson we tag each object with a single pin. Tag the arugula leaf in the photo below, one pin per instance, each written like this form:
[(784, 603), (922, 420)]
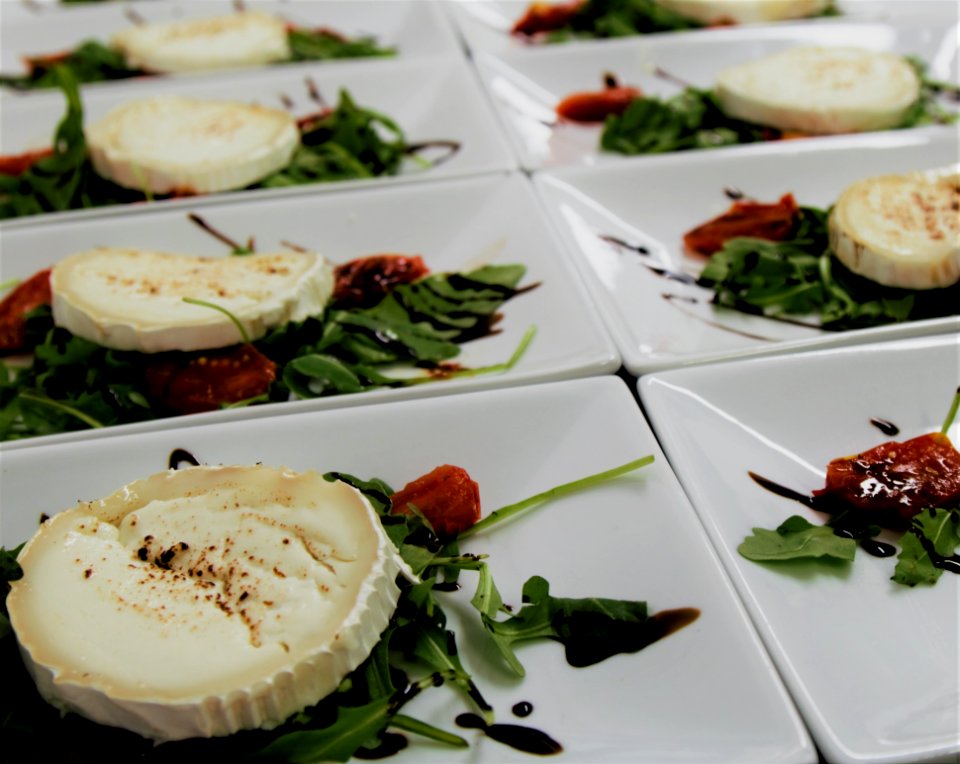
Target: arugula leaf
[(325, 44), (591, 629), (934, 535), (796, 538), (90, 61), (801, 277), (621, 18)]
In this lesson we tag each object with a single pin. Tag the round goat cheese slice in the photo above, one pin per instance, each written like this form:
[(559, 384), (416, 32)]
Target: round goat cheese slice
[(168, 144), (247, 38), (821, 90), (204, 601), (900, 230), (133, 299), (745, 11)]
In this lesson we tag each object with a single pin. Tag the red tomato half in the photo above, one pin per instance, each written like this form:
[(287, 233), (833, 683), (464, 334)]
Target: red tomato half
[(905, 477), (187, 383), (17, 164), (365, 281), (545, 17), (773, 222), (446, 497), (597, 106), (27, 295)]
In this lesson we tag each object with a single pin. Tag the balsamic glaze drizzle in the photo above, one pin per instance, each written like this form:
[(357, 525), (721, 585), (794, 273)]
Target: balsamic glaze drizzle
[(179, 457), (522, 709), (526, 739), (887, 428)]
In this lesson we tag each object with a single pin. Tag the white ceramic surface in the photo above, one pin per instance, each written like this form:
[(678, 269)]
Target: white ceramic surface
[(413, 27), (457, 225), (485, 24), (446, 105), (651, 202), (873, 666), (526, 88), (706, 693)]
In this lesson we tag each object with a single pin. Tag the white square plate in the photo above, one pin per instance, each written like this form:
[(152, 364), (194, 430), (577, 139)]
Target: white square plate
[(526, 88), (651, 202), (412, 27), (485, 24), (873, 666), (446, 104), (455, 226), (706, 693)]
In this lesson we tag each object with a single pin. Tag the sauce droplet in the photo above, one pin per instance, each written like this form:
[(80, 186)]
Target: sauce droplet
[(522, 709), (887, 428)]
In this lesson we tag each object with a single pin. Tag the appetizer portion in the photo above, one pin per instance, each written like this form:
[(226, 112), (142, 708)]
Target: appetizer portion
[(113, 336), (911, 487), (888, 251), (302, 611), (574, 19), (169, 147), (799, 92), (263, 587), (243, 39)]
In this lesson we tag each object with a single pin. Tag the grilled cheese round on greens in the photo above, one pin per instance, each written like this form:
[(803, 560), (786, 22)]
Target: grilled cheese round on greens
[(173, 145), (132, 299), (900, 230), (821, 90), (202, 601), (249, 38)]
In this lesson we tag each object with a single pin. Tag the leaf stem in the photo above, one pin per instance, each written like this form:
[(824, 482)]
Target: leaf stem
[(561, 490), (494, 369), (85, 418), (227, 313), (417, 727), (952, 413)]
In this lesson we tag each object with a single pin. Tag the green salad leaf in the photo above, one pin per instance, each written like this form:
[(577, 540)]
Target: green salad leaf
[(796, 538), (620, 18), (800, 277), (591, 629), (934, 535)]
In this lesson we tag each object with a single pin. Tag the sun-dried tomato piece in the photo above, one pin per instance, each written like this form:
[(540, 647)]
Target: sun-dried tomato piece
[(597, 105), (447, 497), (773, 222), (26, 296), (188, 383), (17, 164), (545, 17), (905, 477), (365, 281)]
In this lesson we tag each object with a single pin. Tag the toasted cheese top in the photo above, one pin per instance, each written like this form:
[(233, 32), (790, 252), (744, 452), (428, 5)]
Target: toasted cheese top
[(246, 38), (168, 144), (821, 90), (132, 299), (901, 230), (206, 600)]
